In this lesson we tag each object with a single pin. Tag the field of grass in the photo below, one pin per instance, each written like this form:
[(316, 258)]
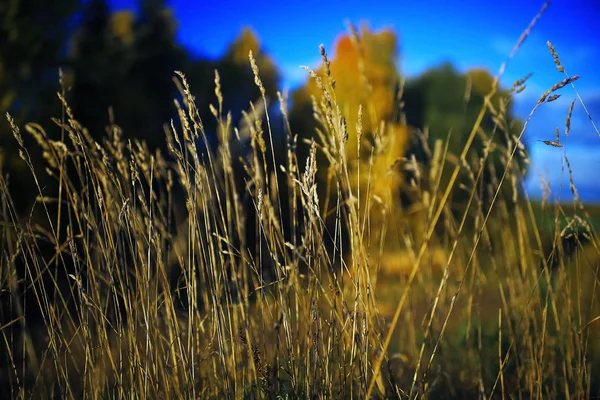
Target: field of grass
[(201, 276)]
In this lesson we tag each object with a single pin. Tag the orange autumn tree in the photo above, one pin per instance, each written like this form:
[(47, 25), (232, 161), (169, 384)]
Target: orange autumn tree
[(365, 77)]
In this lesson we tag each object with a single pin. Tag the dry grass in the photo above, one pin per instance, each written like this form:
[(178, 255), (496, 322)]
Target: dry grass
[(157, 278)]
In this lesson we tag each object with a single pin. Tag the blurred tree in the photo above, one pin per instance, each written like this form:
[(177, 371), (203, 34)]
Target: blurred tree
[(34, 33), (33, 38), (236, 77), (446, 103), (126, 62), (238, 90), (365, 75)]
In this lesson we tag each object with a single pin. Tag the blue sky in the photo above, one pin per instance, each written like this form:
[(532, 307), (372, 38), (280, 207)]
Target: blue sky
[(468, 33)]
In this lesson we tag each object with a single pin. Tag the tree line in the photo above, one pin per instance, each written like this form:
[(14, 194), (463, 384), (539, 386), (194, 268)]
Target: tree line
[(117, 67)]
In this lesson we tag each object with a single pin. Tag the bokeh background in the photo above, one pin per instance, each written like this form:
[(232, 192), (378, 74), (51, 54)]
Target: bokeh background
[(466, 33), (122, 54)]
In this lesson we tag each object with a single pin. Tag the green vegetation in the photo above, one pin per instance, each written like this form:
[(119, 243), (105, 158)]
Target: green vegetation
[(332, 250)]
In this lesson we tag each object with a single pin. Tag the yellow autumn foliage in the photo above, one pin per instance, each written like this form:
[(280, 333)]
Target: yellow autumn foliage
[(366, 75), (364, 69), (122, 26)]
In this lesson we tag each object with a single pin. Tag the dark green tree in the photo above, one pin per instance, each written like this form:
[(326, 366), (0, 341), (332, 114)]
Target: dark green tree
[(32, 48), (236, 78), (126, 62), (34, 34), (446, 103)]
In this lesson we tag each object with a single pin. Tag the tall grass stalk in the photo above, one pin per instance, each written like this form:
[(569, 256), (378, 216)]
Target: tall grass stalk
[(237, 272)]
